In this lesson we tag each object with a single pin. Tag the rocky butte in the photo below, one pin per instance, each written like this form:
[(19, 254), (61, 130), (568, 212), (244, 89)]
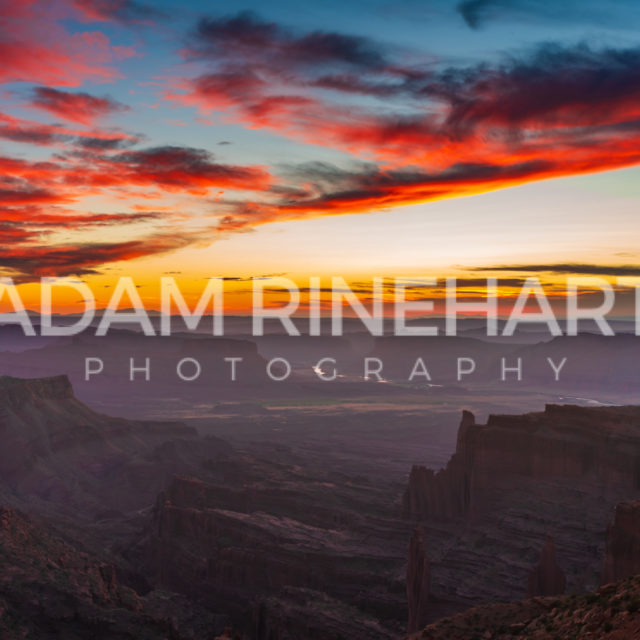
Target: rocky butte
[(547, 579), (517, 482), (418, 581), (595, 446), (622, 557)]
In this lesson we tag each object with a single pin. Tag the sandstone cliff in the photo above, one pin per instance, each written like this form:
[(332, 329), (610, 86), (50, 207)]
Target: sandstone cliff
[(444, 494), (283, 573), (622, 557), (547, 578), (418, 581), (599, 446), (49, 588), (58, 456), (515, 480)]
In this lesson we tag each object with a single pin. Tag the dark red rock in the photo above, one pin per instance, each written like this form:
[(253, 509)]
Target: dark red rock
[(547, 578), (52, 588), (239, 560), (418, 581), (622, 556), (599, 446)]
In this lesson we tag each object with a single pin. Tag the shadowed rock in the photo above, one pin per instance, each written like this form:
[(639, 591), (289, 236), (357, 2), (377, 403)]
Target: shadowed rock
[(418, 581), (547, 579), (622, 556), (596, 446)]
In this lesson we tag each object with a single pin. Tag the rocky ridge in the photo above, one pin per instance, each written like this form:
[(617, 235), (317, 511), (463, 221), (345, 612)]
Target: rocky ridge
[(612, 612), (49, 587)]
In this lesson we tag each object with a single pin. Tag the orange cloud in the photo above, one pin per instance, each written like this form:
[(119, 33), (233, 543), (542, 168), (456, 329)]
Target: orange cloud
[(439, 133)]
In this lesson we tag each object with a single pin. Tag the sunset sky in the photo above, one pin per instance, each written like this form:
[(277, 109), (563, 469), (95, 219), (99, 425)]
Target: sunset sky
[(364, 138)]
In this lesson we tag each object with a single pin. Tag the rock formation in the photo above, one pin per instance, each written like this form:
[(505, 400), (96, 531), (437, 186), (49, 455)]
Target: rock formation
[(58, 456), (611, 612), (580, 445), (444, 494), (622, 556), (49, 588), (418, 581), (292, 571), (547, 579), (515, 480)]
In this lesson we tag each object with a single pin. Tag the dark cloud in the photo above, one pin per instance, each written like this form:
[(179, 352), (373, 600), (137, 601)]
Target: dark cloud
[(476, 12), (35, 133), (77, 107), (568, 268), (25, 193), (266, 276), (37, 198), (554, 111), (329, 189), (105, 144), (176, 167), (564, 109), (479, 13), (35, 261), (328, 183), (252, 37), (554, 85), (35, 136)]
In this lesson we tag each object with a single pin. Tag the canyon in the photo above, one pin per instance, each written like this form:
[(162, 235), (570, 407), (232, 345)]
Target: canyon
[(530, 497), (297, 519)]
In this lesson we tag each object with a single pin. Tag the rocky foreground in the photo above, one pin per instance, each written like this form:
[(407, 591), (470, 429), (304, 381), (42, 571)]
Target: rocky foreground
[(52, 588), (612, 612)]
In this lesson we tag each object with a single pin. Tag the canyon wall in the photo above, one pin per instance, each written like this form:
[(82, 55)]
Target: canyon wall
[(595, 446), (547, 578), (622, 557), (418, 581)]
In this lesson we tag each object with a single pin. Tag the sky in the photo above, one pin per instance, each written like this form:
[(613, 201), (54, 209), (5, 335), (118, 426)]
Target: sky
[(474, 138)]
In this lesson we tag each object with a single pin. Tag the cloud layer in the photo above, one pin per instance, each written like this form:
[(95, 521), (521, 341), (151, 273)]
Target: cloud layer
[(414, 128)]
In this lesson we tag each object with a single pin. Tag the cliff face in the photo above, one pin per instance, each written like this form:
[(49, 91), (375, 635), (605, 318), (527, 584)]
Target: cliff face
[(107, 389), (599, 446), (284, 573), (445, 494), (517, 479), (51, 589), (16, 392), (418, 581), (622, 557), (547, 579), (58, 456)]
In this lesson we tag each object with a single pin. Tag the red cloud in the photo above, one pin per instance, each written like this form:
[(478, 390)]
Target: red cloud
[(557, 111), (30, 132), (171, 168), (77, 107), (36, 200), (437, 133), (118, 10), (27, 261), (36, 47)]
